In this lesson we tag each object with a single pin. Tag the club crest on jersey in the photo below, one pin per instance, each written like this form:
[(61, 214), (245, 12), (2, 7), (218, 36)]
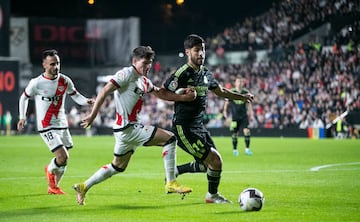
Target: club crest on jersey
[(122, 76), (173, 85), (206, 81), (61, 88)]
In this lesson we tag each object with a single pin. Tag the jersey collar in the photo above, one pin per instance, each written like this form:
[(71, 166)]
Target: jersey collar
[(195, 68)]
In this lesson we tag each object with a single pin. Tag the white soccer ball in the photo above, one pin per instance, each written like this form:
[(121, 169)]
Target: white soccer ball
[(251, 199)]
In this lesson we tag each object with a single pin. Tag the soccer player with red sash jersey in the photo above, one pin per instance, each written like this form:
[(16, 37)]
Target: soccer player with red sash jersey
[(49, 91)]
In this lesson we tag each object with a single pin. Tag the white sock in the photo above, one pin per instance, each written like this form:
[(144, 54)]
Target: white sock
[(169, 156), (102, 174), (59, 172), (52, 166)]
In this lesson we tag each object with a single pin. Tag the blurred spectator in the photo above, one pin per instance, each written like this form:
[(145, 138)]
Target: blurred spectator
[(318, 123)]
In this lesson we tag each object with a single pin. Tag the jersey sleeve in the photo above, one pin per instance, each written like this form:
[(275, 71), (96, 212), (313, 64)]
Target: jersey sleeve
[(120, 78), (75, 95), (30, 89), (171, 83), (70, 89), (178, 79)]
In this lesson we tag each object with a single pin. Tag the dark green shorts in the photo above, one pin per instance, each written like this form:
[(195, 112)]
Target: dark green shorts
[(194, 140)]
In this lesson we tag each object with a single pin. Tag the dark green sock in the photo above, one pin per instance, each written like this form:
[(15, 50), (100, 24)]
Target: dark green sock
[(234, 141), (191, 167), (247, 141), (213, 177)]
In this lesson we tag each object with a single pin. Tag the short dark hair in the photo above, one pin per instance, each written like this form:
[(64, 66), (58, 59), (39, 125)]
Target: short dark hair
[(49, 52), (193, 40), (143, 52)]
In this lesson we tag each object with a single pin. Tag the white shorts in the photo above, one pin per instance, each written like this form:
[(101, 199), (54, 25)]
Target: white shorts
[(56, 138), (132, 137)]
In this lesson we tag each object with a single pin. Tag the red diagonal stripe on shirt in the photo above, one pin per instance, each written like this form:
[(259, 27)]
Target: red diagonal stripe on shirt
[(54, 109)]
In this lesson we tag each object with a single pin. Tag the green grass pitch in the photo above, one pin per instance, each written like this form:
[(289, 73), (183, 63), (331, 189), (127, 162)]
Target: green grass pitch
[(280, 168)]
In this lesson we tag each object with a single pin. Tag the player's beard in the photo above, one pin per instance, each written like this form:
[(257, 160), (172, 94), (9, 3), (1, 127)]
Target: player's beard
[(54, 73), (197, 61)]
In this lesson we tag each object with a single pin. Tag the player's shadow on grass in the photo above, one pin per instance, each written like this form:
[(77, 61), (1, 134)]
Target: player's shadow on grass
[(29, 212), (23, 195), (132, 207)]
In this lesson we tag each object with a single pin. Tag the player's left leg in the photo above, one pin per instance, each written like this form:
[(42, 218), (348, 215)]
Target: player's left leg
[(191, 167), (168, 141)]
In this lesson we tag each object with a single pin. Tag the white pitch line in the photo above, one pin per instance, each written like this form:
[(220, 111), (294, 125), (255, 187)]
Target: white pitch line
[(317, 168)]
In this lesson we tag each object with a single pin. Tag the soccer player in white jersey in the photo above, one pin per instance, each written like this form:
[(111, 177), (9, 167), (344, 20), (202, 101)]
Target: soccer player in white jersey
[(49, 91), (129, 85)]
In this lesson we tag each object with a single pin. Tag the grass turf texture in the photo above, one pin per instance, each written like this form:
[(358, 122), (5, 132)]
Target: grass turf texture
[(280, 168)]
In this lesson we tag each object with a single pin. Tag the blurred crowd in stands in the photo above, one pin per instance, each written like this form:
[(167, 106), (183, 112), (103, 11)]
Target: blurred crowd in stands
[(283, 22), (299, 85)]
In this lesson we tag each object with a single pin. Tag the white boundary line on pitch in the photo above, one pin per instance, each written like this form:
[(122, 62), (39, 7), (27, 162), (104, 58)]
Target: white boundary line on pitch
[(317, 168), (137, 174)]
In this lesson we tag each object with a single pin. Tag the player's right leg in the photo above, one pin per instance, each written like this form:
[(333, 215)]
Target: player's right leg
[(118, 165), (122, 154), (216, 198), (203, 151), (214, 164)]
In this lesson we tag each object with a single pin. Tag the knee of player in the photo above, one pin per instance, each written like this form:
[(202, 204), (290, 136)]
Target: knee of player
[(214, 160), (119, 168), (246, 132), (120, 163), (61, 160)]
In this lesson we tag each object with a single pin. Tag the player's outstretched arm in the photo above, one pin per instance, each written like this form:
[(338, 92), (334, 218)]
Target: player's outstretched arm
[(186, 95), (82, 100), (223, 92)]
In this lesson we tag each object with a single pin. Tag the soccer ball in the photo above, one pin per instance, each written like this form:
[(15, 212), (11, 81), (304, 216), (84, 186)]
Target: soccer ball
[(251, 199)]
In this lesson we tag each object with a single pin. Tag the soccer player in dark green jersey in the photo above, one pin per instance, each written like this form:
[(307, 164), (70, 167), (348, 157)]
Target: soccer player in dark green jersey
[(188, 124), (240, 114)]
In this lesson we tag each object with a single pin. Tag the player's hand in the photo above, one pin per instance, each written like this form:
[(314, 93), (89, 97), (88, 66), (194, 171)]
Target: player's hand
[(248, 97), (21, 125), (87, 121), (91, 101), (190, 94)]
